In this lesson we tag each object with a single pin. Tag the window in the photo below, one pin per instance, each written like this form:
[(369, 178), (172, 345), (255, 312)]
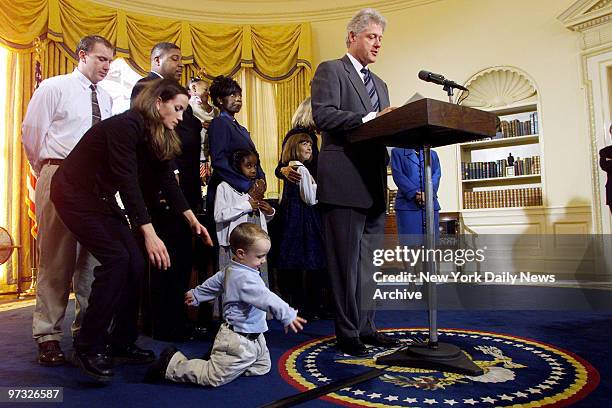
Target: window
[(119, 83)]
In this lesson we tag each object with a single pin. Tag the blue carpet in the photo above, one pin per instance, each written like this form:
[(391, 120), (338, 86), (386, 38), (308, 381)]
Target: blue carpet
[(586, 334)]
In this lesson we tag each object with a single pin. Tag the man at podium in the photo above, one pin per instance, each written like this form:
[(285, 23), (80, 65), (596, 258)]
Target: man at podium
[(352, 179)]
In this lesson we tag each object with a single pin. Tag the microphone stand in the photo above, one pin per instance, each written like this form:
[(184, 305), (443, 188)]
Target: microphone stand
[(449, 91), (433, 354)]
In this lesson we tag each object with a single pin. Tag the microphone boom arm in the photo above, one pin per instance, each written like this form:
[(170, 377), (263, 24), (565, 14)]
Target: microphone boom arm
[(447, 84)]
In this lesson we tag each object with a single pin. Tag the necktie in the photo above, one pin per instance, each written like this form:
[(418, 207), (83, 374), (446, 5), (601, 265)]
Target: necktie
[(95, 108), (369, 84)]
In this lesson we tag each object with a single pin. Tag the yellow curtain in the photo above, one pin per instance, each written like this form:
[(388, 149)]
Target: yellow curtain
[(143, 33), (19, 79), (77, 19), (55, 61), (274, 51), (289, 94), (22, 22), (261, 121), (219, 48), (275, 60)]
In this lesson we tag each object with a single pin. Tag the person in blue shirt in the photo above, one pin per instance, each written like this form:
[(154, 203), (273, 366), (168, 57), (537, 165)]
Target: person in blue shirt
[(240, 346), (408, 170)]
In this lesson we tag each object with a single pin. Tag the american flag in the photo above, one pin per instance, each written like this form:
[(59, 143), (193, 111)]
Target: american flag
[(30, 202), (205, 171)]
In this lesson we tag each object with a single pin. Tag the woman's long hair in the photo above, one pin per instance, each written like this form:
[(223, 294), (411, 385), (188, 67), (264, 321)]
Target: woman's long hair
[(290, 150), (163, 142), (302, 117)]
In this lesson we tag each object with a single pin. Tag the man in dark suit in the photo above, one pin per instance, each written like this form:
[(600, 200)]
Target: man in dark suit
[(352, 180), (166, 62), (164, 314), (605, 161)]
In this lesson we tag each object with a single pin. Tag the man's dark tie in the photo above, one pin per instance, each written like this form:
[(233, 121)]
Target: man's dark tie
[(95, 108), (369, 84)]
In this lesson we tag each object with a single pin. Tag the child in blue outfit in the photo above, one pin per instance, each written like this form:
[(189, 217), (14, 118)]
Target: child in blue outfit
[(240, 346)]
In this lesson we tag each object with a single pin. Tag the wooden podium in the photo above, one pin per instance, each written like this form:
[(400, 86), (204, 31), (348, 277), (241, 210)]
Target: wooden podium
[(428, 123)]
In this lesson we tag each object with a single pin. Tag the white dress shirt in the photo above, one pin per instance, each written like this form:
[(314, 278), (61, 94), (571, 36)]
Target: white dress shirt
[(232, 208), (307, 185), (58, 116), (358, 68), (203, 116), (199, 112)]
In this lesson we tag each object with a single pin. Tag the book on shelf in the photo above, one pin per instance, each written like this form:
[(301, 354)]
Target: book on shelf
[(496, 169), (515, 197), (515, 127)]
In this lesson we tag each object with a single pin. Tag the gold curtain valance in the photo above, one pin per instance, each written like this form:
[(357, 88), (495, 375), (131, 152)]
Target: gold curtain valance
[(275, 52)]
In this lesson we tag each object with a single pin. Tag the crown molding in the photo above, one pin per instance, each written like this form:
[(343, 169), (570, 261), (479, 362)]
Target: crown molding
[(259, 12), (586, 14)]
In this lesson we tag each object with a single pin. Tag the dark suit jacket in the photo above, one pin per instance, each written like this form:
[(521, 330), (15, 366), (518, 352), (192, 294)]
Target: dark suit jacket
[(225, 137), (606, 165), (115, 156), (348, 175), (138, 85), (188, 162), (409, 175)]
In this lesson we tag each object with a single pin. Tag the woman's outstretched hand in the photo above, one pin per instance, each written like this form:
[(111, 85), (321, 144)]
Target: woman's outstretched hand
[(156, 250), (197, 228), (202, 232)]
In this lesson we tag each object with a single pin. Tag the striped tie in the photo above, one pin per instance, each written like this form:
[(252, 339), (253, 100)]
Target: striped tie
[(369, 84), (95, 108)]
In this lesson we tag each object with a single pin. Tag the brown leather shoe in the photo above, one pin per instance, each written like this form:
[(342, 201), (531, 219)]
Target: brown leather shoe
[(50, 353)]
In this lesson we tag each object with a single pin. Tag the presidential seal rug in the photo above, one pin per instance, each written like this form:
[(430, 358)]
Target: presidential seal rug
[(518, 372)]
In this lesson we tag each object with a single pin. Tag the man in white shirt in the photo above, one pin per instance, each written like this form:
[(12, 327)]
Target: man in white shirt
[(61, 110)]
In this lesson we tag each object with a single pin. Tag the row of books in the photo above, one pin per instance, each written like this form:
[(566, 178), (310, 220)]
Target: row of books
[(513, 128), (516, 197), (498, 168), (529, 165)]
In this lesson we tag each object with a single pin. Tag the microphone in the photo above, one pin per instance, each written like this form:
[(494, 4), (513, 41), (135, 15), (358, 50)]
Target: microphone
[(439, 79)]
